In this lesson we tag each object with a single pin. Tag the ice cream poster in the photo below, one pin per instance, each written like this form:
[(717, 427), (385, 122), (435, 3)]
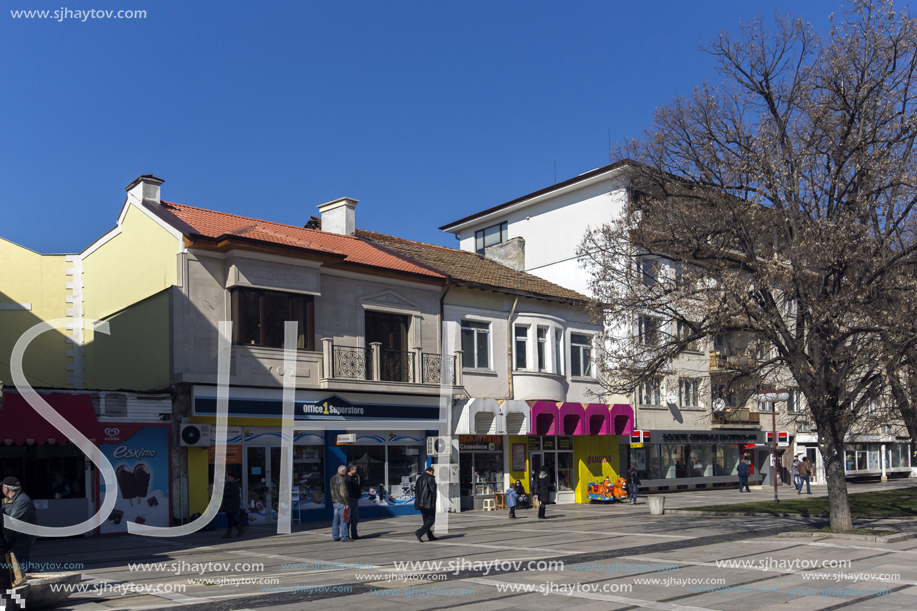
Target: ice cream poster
[(139, 454)]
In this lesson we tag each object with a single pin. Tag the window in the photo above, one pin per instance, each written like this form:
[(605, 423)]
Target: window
[(649, 392), (793, 404), (522, 343), (684, 331), (476, 344), (259, 316), (580, 355), (648, 330), (558, 351), (689, 392), (542, 348), (649, 269), (490, 236)]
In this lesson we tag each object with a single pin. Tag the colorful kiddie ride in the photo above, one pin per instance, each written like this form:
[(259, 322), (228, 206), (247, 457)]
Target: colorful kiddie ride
[(606, 492)]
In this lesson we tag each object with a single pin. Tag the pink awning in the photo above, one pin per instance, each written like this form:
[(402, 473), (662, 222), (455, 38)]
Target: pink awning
[(622, 419), (598, 420), (544, 418), (571, 417)]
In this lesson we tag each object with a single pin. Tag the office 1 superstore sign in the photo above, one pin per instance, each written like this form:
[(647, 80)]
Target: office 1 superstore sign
[(328, 408)]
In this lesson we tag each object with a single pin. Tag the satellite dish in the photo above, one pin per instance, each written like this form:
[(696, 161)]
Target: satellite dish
[(672, 397), (719, 405)]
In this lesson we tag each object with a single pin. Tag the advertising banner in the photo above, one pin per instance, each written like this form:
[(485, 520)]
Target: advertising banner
[(139, 454)]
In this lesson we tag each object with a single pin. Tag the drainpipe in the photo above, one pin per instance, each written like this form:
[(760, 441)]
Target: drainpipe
[(509, 350)]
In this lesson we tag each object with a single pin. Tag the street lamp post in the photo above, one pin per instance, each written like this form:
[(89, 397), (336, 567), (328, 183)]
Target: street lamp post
[(773, 396)]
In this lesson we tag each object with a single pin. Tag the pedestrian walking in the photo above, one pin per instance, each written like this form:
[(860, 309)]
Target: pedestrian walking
[(18, 505), (743, 472), (633, 483), (356, 491), (512, 499), (340, 500), (805, 474), (544, 485), (795, 471), (425, 502), (232, 505), (7, 576)]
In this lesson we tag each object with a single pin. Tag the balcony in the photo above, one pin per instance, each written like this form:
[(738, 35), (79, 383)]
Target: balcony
[(735, 417), (721, 362), (357, 368)]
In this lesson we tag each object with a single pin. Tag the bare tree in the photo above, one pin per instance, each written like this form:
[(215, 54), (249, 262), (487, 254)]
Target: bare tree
[(776, 208)]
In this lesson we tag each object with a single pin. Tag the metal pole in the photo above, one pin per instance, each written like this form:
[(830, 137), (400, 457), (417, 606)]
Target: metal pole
[(882, 458), (774, 426)]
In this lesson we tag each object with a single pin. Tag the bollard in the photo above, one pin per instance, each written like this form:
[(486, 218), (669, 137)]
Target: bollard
[(657, 505)]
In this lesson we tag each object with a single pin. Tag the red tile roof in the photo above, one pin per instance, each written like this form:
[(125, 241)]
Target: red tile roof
[(472, 269), (221, 225)]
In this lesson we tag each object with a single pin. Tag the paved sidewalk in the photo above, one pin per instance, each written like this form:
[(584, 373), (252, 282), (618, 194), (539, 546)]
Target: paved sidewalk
[(605, 550)]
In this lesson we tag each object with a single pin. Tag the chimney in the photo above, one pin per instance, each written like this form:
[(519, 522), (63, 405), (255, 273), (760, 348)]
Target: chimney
[(510, 253), (338, 216), (145, 187)]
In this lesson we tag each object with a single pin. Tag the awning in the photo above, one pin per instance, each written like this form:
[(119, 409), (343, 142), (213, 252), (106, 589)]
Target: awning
[(571, 419), (544, 418), (622, 419), (20, 424), (597, 419)]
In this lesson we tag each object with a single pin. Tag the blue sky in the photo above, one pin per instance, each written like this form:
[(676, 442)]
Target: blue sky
[(424, 111)]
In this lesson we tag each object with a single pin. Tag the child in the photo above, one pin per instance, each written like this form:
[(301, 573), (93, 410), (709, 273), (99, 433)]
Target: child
[(512, 499)]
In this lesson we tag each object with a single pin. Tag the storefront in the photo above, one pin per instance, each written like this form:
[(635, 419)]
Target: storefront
[(54, 472), (672, 460), (481, 469), (389, 449), (863, 457)]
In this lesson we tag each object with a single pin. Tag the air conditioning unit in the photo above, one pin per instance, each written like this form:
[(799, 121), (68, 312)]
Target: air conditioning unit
[(803, 427), (195, 435), (447, 474), (439, 446)]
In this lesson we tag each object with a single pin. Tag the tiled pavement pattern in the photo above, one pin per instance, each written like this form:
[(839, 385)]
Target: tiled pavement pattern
[(593, 538)]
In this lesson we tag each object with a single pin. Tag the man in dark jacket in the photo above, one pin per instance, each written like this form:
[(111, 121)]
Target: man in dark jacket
[(633, 483), (355, 493), (18, 505), (340, 499), (425, 502), (6, 581), (743, 477), (544, 485), (232, 505)]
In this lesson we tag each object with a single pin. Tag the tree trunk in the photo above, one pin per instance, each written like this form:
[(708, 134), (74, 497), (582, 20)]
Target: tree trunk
[(832, 451)]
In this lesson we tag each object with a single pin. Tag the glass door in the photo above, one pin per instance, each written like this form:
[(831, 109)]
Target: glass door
[(262, 470), (537, 459), (810, 454)]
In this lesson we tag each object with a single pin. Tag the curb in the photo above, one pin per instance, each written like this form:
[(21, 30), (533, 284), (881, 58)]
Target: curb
[(748, 514), (871, 538)]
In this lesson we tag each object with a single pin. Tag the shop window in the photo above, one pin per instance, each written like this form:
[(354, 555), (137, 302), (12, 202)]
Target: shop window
[(580, 355), (522, 346), (309, 475), (475, 345), (689, 392), (491, 236), (403, 469), (541, 347), (565, 472), (259, 318), (370, 462), (46, 471), (727, 460), (488, 473)]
